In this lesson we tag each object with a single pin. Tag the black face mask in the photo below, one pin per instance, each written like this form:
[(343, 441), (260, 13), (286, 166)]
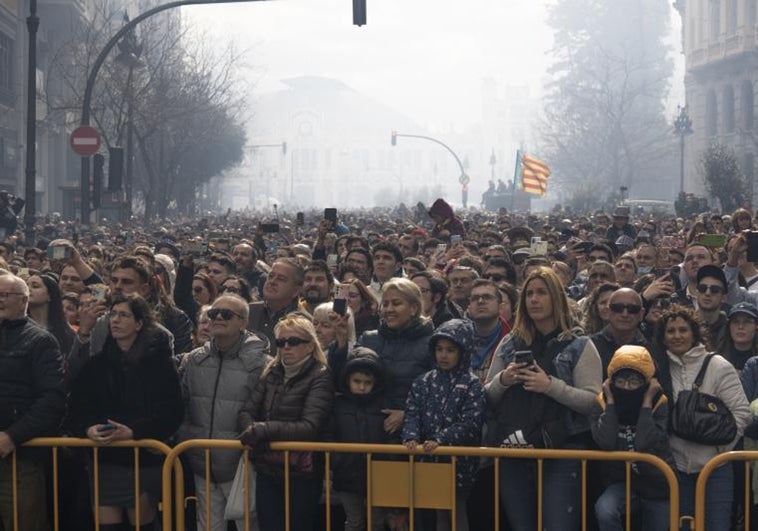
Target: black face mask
[(628, 403)]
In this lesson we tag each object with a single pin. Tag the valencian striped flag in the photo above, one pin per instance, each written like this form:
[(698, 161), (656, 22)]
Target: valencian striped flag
[(534, 174)]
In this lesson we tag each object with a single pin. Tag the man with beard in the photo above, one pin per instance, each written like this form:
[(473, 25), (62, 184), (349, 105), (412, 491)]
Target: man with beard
[(318, 285), (360, 261), (245, 258)]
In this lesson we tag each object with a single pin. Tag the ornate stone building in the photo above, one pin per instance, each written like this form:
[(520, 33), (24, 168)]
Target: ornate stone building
[(720, 45)]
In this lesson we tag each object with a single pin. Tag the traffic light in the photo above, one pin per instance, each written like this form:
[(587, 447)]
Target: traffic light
[(394, 138), (115, 168), (359, 12), (99, 175)]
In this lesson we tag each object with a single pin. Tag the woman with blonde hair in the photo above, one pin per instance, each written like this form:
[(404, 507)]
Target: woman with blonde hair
[(292, 401), (540, 388)]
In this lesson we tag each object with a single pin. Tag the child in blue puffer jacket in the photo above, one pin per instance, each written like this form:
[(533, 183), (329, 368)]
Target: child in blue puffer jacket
[(446, 407)]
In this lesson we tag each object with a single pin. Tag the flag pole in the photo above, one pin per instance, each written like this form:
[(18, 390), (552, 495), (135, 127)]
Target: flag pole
[(515, 177)]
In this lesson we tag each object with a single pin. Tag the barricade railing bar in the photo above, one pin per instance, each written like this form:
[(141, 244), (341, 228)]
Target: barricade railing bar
[(54, 443), (428, 485), (702, 482)]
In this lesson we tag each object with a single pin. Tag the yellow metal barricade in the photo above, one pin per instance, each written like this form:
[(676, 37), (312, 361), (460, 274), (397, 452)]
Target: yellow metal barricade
[(416, 485), (705, 473), (54, 443)]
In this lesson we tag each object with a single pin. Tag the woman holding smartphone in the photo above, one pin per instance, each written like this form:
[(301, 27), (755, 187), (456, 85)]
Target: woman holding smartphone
[(128, 390), (540, 388)]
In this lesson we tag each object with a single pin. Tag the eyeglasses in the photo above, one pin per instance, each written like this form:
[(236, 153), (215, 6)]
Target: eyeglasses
[(662, 303), (714, 289), (5, 294), (629, 381), (225, 313), (291, 341), (484, 297), (424, 291), (121, 315), (618, 307)]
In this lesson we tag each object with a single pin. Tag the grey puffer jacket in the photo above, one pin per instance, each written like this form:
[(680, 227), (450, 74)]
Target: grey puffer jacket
[(215, 386)]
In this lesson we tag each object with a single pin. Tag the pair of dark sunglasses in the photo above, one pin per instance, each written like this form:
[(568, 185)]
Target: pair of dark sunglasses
[(617, 307), (292, 341), (662, 303), (225, 313), (715, 290)]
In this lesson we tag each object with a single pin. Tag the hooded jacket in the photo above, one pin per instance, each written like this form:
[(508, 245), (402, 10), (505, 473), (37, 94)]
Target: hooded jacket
[(358, 419), (448, 406), (649, 434), (215, 387), (451, 223)]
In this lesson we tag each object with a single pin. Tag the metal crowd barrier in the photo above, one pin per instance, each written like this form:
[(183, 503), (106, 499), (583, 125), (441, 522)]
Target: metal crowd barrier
[(428, 485), (705, 473), (54, 443)]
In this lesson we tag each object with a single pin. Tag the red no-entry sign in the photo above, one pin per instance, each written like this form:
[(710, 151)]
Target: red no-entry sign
[(85, 141)]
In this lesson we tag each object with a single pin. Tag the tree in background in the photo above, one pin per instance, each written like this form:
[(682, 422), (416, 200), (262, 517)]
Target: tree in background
[(603, 120), (184, 103), (723, 177)]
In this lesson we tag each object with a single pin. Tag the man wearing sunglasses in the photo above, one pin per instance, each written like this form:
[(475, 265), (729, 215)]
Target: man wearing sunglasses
[(711, 299), (217, 379), (626, 314)]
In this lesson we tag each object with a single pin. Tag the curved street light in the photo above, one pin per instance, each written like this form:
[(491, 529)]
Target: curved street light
[(88, 89), (464, 179)]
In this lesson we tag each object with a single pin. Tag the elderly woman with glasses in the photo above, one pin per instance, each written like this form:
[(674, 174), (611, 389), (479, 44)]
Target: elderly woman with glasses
[(292, 401), (128, 390)]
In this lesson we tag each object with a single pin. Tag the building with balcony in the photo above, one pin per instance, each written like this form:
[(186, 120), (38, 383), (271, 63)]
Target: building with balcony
[(719, 41)]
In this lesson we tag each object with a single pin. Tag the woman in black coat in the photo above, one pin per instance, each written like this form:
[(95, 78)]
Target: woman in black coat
[(129, 390)]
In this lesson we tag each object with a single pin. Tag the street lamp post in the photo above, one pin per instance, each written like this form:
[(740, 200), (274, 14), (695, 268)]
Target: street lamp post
[(130, 57), (100, 59), (493, 161), (682, 128), (30, 189), (463, 179)]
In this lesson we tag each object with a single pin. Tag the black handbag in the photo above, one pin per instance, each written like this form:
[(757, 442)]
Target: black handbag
[(702, 418)]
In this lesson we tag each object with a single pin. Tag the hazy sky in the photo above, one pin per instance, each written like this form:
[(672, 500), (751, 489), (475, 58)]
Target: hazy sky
[(425, 58)]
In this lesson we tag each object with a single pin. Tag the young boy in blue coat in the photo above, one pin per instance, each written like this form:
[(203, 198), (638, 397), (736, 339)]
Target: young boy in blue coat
[(446, 407)]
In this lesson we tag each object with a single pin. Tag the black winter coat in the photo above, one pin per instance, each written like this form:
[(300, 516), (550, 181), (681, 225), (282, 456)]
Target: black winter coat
[(32, 395), (404, 354), (139, 389)]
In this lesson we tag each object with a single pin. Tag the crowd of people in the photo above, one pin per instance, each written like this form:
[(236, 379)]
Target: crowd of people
[(415, 327)]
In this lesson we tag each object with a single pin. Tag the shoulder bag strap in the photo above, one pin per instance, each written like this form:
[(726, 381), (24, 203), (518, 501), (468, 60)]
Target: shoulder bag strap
[(701, 374)]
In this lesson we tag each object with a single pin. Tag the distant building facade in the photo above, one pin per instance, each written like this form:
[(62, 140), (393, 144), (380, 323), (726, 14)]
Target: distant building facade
[(720, 44)]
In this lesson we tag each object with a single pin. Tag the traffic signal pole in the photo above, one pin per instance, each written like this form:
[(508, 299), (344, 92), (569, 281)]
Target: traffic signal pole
[(89, 87)]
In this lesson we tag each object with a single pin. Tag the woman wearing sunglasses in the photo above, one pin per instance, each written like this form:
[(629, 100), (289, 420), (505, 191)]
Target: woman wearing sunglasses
[(540, 388), (680, 338), (292, 401), (128, 390)]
